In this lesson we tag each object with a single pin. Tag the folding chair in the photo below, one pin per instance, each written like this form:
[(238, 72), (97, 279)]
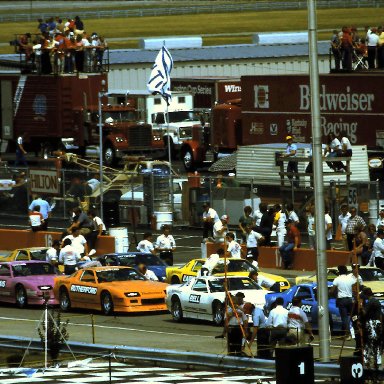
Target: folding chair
[(359, 60)]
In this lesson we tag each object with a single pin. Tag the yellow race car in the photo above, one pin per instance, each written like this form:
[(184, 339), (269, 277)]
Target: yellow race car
[(24, 254), (372, 277), (235, 267)]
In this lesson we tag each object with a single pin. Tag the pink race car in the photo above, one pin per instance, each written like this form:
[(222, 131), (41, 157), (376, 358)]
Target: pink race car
[(27, 282)]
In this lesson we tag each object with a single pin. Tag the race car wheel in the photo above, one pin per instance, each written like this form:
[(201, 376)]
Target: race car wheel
[(21, 296), (177, 311), (106, 303), (175, 280), (65, 301), (218, 313)]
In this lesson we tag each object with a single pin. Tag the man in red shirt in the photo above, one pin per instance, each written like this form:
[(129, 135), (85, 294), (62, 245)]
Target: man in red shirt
[(294, 242)]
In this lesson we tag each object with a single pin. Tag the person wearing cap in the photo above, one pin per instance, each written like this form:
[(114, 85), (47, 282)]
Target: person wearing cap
[(220, 229), (292, 166), (236, 320), (210, 217), (234, 248), (378, 249), (371, 318)]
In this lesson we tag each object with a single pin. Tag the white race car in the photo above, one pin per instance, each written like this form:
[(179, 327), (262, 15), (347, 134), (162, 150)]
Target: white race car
[(203, 297)]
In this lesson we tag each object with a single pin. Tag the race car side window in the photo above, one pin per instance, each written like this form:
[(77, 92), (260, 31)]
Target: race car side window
[(88, 276), (304, 293), (22, 255), (197, 266), (4, 270), (200, 286)]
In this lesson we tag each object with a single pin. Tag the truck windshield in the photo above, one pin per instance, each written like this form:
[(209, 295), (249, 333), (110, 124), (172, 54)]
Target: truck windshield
[(180, 116), (120, 116)]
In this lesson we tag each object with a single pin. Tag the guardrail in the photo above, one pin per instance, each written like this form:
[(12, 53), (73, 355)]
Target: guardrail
[(197, 9)]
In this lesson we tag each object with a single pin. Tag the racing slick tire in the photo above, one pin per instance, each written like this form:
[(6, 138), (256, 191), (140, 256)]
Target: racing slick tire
[(21, 296), (176, 310), (217, 313), (64, 300), (106, 303)]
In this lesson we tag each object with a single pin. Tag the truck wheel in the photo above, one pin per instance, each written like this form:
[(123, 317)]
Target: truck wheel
[(188, 161), (109, 155)]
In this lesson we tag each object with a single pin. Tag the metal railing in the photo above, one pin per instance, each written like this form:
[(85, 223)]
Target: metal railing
[(199, 9)]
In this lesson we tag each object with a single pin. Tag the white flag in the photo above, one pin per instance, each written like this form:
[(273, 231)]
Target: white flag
[(160, 80)]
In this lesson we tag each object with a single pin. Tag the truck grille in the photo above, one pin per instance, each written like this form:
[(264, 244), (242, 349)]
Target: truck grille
[(140, 136)]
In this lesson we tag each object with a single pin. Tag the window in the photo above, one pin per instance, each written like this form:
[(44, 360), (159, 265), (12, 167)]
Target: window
[(4, 270), (200, 286), (88, 276), (157, 101), (181, 99), (304, 293), (22, 255), (197, 266)]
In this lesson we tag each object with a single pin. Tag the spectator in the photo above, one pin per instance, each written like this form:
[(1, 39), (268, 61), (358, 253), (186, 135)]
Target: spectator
[(220, 229), (334, 150), (52, 254), (264, 281), (292, 215), (278, 321), (234, 248), (69, 257), (287, 249), (310, 211), (79, 54), (45, 210), (266, 223), (36, 219), (166, 245), (372, 42), (81, 221), (148, 274), (78, 242), (146, 245), (20, 152), (98, 230), (252, 239), (280, 223), (352, 227), (362, 243), (343, 221), (211, 262), (79, 26), (210, 217), (328, 229), (298, 323), (378, 249), (292, 166), (246, 220), (93, 184), (346, 48), (380, 220), (335, 47), (257, 215)]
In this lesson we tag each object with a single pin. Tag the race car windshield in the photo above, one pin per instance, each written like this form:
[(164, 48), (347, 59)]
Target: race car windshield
[(147, 259), (234, 284), (121, 274), (33, 269), (237, 265), (371, 274), (39, 254)]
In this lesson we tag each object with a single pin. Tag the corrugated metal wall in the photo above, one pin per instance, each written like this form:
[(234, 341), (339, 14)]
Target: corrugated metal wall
[(136, 76)]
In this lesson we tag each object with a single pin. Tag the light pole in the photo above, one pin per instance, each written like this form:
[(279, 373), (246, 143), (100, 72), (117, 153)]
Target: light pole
[(101, 94)]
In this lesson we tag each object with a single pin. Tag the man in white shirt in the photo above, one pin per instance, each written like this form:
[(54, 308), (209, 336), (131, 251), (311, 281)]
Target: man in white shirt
[(148, 274), (292, 215), (220, 229), (166, 245), (380, 220), (298, 322), (343, 221), (378, 249), (234, 248), (334, 150), (211, 262), (78, 242), (343, 286), (210, 217), (52, 254), (292, 166), (278, 321), (45, 209), (146, 245), (328, 230), (264, 281), (98, 230), (69, 257), (252, 239)]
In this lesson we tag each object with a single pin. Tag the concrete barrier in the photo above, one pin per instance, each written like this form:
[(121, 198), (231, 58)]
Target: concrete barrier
[(24, 238), (304, 259)]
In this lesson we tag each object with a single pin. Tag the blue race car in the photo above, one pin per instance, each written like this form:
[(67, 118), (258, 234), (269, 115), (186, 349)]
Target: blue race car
[(308, 294), (133, 259)]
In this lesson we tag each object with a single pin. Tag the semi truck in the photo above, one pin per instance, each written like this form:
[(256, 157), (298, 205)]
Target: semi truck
[(62, 113), (274, 106)]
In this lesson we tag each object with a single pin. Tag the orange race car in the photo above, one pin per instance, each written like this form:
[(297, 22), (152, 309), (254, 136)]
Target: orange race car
[(111, 289)]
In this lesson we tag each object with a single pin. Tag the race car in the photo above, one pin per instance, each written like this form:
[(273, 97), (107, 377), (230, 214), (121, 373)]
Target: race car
[(27, 282), (110, 289), (372, 277), (23, 254), (235, 267), (133, 259), (308, 295), (203, 297)]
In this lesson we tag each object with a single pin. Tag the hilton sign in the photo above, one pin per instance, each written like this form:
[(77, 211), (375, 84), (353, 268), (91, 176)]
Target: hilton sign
[(44, 181)]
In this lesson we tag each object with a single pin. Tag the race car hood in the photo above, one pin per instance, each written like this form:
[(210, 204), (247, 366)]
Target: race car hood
[(158, 270), (377, 287), (136, 286)]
